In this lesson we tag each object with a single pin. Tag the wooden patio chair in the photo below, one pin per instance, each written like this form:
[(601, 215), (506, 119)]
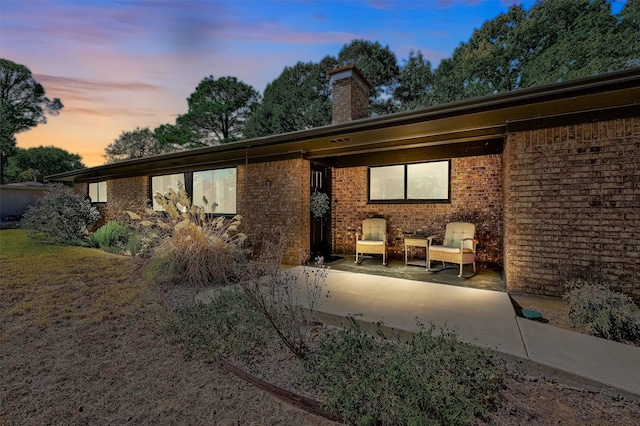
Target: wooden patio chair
[(458, 246), (373, 239)]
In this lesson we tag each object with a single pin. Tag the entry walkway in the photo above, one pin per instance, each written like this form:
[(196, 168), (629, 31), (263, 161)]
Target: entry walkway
[(482, 317)]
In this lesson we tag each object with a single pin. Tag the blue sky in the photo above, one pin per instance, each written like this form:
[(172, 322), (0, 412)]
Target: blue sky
[(117, 65)]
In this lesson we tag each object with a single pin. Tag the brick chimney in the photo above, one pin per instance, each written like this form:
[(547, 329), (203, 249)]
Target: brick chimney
[(350, 91)]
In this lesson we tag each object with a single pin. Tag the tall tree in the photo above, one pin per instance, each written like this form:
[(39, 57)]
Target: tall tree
[(136, 143), (23, 105), (571, 39), (380, 66), (36, 163), (415, 83), (218, 109), (552, 41), (490, 62), (298, 99), (629, 29)]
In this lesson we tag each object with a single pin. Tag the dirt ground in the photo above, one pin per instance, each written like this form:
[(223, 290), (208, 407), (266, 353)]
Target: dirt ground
[(119, 369)]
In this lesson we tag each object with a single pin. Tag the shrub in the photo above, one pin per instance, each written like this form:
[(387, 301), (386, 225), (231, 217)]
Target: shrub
[(276, 293), (190, 247), (60, 217), (228, 325), (113, 236), (602, 312), (428, 379)]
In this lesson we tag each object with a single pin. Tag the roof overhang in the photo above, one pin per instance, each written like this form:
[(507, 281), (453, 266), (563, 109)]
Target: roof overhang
[(471, 127)]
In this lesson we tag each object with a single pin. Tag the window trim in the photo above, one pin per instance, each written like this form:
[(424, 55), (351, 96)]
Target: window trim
[(406, 200)]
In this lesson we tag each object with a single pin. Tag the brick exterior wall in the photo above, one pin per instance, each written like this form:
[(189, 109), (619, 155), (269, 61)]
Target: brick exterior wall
[(572, 207), (276, 195), (351, 102), (476, 196), (122, 194), (127, 194), (81, 188)]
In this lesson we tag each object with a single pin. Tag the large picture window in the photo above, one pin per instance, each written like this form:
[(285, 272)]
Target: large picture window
[(161, 184), (218, 187), (410, 183), (98, 192)]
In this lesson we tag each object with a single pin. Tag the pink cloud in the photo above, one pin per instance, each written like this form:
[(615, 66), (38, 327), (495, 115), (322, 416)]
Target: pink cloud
[(80, 84)]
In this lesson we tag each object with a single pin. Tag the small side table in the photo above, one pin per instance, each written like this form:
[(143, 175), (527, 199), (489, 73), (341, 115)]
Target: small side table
[(416, 242)]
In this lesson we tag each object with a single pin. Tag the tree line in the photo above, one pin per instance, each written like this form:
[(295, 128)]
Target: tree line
[(553, 41)]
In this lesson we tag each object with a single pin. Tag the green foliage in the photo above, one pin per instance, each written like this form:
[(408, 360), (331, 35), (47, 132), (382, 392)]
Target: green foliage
[(603, 312), (60, 217), (23, 105), (225, 325), (35, 163), (218, 109), (169, 135), (428, 379), (188, 246), (114, 237), (552, 41), (137, 143), (298, 99), (572, 39), (379, 64), (415, 83)]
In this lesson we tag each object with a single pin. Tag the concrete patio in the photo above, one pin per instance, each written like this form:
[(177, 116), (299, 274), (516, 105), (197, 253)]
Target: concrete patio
[(487, 279), (482, 317)]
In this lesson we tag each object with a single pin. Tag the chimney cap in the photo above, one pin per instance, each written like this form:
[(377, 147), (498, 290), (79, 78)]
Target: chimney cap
[(346, 69)]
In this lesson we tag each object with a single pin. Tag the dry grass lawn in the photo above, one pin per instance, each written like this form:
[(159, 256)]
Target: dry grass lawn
[(81, 342)]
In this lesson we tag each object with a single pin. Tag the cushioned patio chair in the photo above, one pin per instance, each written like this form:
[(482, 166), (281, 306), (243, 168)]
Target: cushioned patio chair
[(372, 240), (458, 246)]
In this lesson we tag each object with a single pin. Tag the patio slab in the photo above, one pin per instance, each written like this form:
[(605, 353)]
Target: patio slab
[(487, 279)]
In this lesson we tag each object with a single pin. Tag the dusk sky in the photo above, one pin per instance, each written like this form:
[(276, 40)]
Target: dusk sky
[(116, 65)]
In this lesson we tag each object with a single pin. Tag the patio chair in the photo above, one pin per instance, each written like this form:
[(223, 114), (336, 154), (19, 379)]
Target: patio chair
[(373, 239), (458, 246)]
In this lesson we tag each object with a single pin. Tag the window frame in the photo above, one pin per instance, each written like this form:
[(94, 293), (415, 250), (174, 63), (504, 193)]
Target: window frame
[(99, 184), (405, 199), (188, 181), (212, 201)]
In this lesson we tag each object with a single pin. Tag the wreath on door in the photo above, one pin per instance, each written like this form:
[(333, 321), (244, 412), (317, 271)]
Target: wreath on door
[(319, 204)]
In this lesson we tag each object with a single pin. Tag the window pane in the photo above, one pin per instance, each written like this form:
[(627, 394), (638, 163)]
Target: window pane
[(98, 192), (386, 183), (217, 186), (162, 184), (428, 181), (93, 192), (102, 191)]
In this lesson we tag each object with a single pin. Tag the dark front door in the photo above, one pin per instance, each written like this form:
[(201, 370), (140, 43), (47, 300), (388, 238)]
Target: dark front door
[(320, 211)]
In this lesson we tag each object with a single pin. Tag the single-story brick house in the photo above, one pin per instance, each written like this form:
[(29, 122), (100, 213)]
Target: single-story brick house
[(550, 175)]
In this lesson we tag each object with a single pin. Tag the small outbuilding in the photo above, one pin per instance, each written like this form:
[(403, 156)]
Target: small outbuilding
[(15, 198)]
